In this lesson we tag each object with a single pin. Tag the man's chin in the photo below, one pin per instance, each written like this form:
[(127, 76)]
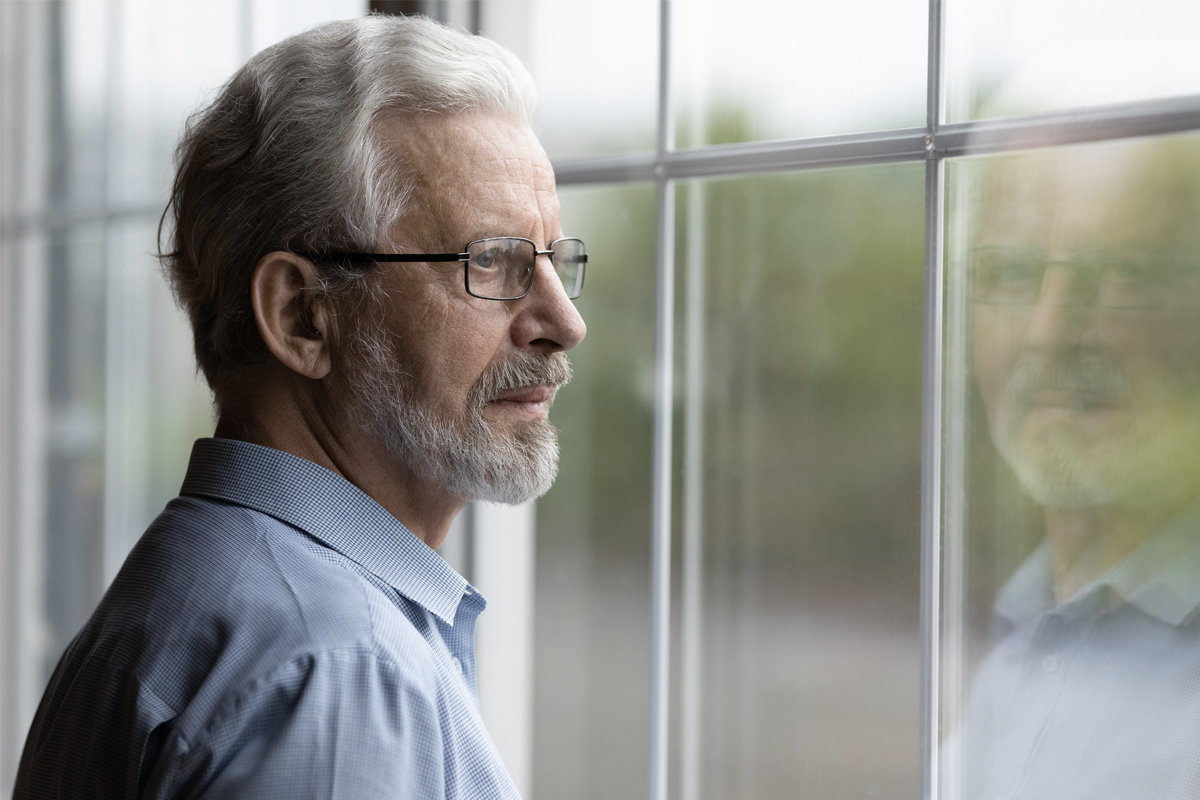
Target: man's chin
[(520, 428), (1078, 466), (510, 495), (1051, 486), (516, 487), (1062, 464), (509, 464)]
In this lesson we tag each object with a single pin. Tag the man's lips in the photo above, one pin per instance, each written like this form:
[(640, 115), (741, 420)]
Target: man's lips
[(1074, 400), (527, 397)]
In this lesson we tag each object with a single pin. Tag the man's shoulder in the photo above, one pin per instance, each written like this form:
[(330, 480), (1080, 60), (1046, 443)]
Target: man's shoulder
[(218, 582), (220, 620)]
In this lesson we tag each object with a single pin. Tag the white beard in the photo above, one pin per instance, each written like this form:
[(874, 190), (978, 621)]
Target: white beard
[(1074, 462), (1065, 468), (461, 452)]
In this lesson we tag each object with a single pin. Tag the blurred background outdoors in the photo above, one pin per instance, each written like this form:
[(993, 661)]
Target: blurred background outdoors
[(798, 357)]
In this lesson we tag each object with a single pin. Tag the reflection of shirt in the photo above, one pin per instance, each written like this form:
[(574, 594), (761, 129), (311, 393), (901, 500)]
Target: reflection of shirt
[(1098, 697), (277, 634)]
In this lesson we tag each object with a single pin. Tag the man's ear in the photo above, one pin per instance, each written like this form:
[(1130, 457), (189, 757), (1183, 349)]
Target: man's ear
[(295, 324)]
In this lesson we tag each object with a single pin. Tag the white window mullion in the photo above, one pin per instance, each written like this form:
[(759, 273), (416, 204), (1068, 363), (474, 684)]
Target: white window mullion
[(931, 436), (663, 408)]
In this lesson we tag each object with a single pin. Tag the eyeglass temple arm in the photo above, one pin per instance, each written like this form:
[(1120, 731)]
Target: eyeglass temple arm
[(407, 257), (418, 257)]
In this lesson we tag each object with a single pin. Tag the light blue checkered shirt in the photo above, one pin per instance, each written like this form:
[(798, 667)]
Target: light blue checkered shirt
[(277, 634), (1096, 698)]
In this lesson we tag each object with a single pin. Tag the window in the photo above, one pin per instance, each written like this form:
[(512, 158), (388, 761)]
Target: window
[(843, 506), (879, 465)]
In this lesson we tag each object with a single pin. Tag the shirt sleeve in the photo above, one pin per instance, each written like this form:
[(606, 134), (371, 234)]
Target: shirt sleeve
[(338, 724)]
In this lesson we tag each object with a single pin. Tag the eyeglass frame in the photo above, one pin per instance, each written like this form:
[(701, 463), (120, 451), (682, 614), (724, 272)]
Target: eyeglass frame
[(1075, 264), (464, 257)]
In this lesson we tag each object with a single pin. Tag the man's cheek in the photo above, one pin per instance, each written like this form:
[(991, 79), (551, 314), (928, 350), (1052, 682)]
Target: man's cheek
[(992, 366)]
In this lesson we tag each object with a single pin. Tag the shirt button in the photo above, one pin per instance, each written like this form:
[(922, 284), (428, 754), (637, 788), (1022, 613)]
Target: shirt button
[(1051, 663), (457, 664)]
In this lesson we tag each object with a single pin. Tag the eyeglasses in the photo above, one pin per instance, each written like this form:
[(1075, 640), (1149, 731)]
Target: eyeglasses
[(1014, 276), (501, 268)]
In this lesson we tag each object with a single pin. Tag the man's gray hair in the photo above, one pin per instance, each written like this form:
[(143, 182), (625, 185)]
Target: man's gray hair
[(287, 158)]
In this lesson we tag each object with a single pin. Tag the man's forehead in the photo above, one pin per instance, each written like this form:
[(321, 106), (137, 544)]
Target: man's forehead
[(1101, 197), (477, 166), (479, 145)]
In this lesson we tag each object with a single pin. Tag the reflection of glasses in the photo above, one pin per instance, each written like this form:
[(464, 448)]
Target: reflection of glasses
[(496, 269), (1013, 276)]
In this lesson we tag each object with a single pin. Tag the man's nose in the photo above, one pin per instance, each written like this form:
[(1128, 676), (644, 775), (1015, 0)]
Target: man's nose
[(547, 320), (1063, 309)]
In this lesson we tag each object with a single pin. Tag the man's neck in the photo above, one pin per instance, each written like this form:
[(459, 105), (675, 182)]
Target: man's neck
[(288, 418), (1087, 542)]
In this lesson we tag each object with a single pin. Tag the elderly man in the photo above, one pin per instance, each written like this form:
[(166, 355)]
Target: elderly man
[(367, 241)]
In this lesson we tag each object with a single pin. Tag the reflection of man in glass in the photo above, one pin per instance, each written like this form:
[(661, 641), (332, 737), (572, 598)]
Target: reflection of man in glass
[(1085, 286)]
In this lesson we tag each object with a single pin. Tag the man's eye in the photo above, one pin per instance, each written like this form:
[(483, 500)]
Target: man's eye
[(1005, 275), (1129, 269), (486, 259), (1015, 271)]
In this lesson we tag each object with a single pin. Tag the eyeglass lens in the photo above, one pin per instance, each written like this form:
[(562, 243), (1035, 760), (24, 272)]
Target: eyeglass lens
[(1015, 276), (503, 268)]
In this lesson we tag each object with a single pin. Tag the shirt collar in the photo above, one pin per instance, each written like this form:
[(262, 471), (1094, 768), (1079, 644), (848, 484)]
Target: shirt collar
[(1161, 577), (1030, 590), (331, 509)]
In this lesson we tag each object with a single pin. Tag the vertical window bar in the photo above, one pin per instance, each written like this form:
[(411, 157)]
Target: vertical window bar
[(245, 30), (691, 677), (931, 475), (956, 394), (931, 436), (664, 395), (119, 313)]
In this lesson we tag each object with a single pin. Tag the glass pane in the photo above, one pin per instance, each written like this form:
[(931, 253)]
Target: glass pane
[(75, 416), (123, 406), (1008, 57), (131, 72), (596, 66), (1073, 465), (801, 485), (771, 70), (592, 630)]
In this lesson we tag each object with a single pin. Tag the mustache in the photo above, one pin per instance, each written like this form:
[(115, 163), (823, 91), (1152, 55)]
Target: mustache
[(1090, 377), (520, 371)]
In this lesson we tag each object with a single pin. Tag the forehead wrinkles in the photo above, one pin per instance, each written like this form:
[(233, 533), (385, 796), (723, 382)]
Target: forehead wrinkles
[(504, 194), (477, 170)]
